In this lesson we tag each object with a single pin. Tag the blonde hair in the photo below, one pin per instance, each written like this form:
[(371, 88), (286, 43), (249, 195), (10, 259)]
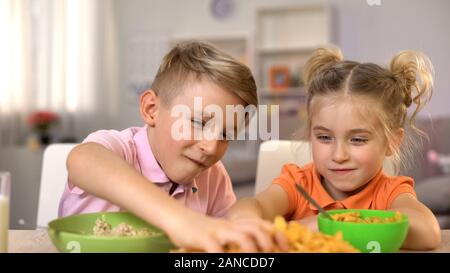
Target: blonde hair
[(193, 61), (407, 81)]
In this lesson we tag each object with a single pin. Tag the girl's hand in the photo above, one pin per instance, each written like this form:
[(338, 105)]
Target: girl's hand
[(209, 234), (310, 222)]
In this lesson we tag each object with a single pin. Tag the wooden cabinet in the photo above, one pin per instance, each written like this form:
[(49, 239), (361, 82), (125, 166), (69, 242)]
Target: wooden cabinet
[(285, 37)]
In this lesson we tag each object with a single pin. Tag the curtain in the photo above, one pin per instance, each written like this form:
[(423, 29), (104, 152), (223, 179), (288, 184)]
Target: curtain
[(15, 67), (52, 53)]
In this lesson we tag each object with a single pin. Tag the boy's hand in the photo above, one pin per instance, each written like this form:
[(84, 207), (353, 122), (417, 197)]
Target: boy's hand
[(310, 222), (264, 233), (212, 234)]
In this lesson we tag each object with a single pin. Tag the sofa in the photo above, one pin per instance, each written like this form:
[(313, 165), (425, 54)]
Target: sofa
[(432, 179)]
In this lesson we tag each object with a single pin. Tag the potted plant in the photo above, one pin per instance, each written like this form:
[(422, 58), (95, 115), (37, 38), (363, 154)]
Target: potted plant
[(41, 122)]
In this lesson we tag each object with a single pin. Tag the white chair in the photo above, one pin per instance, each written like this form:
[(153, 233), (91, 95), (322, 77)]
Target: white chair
[(273, 154), (53, 181)]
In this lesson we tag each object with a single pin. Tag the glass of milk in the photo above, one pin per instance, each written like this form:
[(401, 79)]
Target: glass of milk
[(5, 184)]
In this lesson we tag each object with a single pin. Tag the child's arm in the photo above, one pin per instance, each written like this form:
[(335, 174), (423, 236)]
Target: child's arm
[(424, 231), (102, 173), (266, 205)]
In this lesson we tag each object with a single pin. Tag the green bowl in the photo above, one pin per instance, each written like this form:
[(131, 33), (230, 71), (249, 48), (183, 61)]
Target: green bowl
[(74, 234), (374, 238)]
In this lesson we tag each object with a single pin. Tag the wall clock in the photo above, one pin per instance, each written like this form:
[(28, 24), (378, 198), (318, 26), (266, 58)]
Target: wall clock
[(222, 8)]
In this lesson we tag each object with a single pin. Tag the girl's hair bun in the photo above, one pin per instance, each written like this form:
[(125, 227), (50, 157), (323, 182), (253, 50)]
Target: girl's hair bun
[(413, 71), (321, 59)]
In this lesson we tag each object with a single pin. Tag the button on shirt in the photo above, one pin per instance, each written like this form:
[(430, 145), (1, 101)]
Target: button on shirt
[(210, 193)]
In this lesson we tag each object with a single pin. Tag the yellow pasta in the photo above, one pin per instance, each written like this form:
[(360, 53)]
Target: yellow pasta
[(301, 239), (355, 217)]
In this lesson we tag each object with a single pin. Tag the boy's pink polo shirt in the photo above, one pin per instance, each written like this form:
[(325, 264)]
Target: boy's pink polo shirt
[(210, 193)]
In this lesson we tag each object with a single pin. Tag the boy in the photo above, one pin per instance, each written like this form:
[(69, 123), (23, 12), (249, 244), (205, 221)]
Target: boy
[(144, 170)]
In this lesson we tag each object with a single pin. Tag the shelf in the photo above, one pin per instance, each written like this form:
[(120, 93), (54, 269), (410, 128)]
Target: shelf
[(302, 26), (210, 37), (295, 92), (286, 36), (286, 50)]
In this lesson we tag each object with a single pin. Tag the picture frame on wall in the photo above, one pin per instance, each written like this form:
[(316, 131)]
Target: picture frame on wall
[(279, 78)]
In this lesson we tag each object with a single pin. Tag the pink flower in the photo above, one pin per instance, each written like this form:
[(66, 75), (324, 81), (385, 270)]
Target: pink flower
[(42, 120), (432, 156)]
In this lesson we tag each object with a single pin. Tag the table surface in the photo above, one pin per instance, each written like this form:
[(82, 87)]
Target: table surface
[(37, 241)]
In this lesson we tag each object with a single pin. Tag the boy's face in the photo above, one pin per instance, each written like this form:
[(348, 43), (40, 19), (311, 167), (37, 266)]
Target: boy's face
[(346, 148), (183, 159)]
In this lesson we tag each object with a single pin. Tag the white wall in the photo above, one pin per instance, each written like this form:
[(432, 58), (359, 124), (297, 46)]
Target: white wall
[(377, 33), (365, 33)]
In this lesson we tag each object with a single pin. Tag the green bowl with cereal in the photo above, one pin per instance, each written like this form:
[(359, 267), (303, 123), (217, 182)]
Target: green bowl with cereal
[(107, 232), (370, 231)]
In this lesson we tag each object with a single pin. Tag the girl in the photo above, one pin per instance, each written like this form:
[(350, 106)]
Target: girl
[(356, 117)]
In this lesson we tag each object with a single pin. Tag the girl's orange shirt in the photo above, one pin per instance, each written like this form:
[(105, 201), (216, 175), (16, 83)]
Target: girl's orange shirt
[(378, 194)]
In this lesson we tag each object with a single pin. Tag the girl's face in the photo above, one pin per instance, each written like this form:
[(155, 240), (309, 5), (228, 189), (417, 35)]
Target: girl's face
[(348, 149), (183, 157)]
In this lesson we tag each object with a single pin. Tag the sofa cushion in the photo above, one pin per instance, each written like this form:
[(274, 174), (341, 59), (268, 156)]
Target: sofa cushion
[(444, 220), (434, 192)]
